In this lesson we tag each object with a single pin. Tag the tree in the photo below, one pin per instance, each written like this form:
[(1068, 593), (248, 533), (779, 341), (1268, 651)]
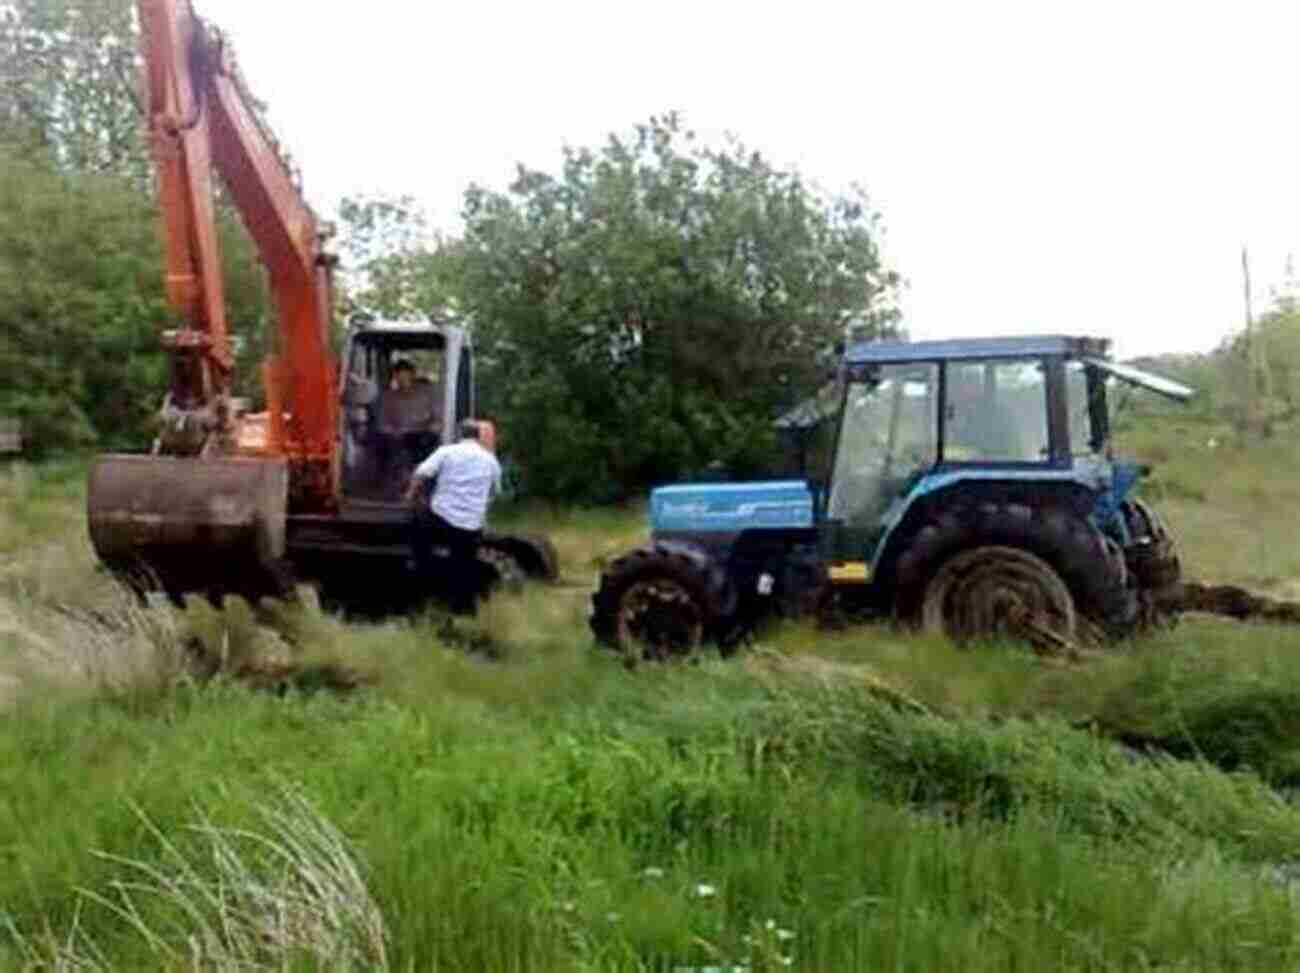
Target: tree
[(80, 304), (649, 310), (80, 264), (69, 77), (82, 307), (395, 265)]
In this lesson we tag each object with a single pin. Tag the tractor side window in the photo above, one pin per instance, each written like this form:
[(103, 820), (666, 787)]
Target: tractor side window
[(996, 412), (1076, 396), (887, 440)]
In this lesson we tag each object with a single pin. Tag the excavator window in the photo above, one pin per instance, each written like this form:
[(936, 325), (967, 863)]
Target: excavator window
[(391, 424), (428, 364)]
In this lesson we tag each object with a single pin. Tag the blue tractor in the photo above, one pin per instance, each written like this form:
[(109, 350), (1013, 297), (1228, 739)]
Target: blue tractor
[(971, 491)]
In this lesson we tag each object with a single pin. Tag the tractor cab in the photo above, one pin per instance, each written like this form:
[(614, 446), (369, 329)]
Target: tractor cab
[(405, 387), (918, 418)]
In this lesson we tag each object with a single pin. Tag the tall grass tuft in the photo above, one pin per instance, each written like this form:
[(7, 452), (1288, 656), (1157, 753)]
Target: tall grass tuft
[(289, 895), (118, 645)]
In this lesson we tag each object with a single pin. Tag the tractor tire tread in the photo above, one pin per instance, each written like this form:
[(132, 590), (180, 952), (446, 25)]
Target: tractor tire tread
[(692, 567), (1093, 570)]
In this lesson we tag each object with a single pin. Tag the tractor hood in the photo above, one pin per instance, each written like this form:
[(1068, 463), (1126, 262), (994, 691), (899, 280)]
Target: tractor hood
[(731, 507), (1135, 376)]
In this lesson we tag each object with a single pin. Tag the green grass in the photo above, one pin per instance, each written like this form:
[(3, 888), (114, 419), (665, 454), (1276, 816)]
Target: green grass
[(657, 819), (862, 799)]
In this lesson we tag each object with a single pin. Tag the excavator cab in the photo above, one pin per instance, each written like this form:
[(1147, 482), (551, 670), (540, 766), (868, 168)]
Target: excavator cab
[(389, 422)]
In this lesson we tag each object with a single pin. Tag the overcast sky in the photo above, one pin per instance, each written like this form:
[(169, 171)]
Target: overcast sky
[(1040, 166)]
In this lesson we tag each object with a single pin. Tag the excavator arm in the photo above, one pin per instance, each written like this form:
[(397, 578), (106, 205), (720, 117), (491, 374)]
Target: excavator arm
[(181, 145), (201, 120)]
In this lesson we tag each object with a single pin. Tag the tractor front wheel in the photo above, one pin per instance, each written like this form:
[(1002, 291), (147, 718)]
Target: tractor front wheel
[(999, 592), (658, 602)]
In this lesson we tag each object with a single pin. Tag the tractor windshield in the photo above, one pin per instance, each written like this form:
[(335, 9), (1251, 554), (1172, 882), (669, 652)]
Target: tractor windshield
[(887, 439)]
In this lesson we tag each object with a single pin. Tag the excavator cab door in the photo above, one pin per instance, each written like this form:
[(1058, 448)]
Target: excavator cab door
[(461, 380), (359, 398)]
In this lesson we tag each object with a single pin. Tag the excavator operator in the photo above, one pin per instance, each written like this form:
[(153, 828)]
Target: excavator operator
[(408, 416)]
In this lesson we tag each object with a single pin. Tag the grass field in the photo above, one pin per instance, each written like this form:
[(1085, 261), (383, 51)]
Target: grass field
[(864, 799)]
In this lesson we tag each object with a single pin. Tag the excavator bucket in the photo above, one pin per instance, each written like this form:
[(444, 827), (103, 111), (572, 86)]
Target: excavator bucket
[(191, 525)]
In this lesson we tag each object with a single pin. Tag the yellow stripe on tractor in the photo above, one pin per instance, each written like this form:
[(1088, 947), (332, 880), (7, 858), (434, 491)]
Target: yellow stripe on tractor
[(849, 572)]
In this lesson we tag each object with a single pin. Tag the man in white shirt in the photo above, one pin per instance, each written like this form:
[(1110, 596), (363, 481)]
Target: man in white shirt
[(466, 477)]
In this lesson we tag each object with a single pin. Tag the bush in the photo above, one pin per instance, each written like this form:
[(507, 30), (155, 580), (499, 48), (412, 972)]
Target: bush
[(649, 311)]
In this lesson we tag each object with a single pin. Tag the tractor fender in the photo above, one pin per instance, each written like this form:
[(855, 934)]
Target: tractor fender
[(943, 491)]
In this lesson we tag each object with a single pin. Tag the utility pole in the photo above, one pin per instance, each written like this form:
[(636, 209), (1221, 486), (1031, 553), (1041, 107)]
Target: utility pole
[(1251, 423)]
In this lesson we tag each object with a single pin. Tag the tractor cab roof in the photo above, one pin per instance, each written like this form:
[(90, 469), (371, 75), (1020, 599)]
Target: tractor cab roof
[(957, 349), (1094, 351)]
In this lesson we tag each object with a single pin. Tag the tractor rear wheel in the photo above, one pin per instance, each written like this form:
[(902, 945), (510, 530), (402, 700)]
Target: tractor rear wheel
[(993, 591), (1079, 556), (999, 592), (659, 602)]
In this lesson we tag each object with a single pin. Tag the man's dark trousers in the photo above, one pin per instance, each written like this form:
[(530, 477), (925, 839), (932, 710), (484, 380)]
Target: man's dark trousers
[(462, 563)]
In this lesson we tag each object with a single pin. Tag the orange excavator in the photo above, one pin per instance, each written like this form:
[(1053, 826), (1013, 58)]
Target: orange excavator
[(308, 490)]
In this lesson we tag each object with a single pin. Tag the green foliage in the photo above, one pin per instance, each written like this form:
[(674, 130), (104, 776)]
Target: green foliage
[(590, 819), (650, 309), (1258, 372), (81, 301), (81, 307), (68, 84), (80, 304), (1275, 375), (395, 265), (250, 315)]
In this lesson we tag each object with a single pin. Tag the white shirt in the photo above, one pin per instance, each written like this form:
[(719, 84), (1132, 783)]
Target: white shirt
[(467, 476)]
